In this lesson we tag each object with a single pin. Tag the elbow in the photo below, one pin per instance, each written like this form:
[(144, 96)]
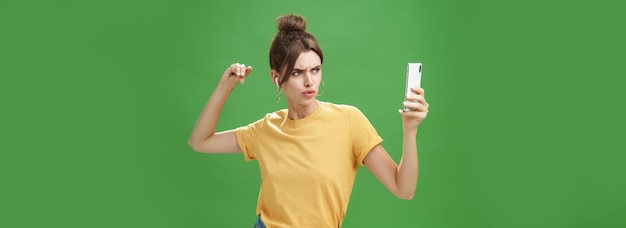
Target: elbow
[(405, 196), (193, 145), (200, 146)]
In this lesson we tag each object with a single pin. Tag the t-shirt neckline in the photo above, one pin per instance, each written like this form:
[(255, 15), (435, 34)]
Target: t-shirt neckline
[(309, 118)]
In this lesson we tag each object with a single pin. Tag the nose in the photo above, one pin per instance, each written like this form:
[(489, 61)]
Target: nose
[(308, 79)]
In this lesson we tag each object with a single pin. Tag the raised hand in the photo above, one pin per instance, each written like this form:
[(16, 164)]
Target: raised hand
[(235, 73), (418, 109)]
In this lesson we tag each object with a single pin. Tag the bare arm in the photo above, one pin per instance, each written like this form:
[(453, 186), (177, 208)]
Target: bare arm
[(401, 179), (203, 137)]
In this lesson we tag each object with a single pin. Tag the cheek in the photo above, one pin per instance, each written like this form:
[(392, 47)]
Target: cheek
[(290, 85)]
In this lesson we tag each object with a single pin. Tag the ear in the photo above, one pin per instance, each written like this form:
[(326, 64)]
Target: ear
[(274, 77)]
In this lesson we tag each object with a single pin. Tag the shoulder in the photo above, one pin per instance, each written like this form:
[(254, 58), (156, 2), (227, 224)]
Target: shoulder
[(343, 108), (276, 114), (345, 112), (268, 118), (274, 118)]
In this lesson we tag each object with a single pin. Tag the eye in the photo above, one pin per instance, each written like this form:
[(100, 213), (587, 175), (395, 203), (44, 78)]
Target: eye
[(316, 70), (296, 72)]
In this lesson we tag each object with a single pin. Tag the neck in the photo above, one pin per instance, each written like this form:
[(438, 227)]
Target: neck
[(296, 112)]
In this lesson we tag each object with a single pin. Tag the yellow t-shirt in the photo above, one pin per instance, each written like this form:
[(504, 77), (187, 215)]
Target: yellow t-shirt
[(308, 165)]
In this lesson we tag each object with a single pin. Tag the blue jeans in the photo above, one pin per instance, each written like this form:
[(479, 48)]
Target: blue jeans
[(259, 223)]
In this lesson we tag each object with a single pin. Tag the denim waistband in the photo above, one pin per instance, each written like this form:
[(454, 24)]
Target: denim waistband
[(259, 223)]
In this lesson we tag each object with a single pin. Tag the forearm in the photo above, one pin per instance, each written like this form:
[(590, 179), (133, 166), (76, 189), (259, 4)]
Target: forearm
[(207, 122), (407, 171)]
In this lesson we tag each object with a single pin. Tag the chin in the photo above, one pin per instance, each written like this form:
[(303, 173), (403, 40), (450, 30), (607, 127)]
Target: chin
[(307, 102)]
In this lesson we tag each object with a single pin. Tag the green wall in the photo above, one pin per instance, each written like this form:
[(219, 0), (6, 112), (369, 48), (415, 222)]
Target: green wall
[(525, 127)]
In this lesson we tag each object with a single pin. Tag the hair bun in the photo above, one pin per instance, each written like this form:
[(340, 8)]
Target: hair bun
[(291, 22)]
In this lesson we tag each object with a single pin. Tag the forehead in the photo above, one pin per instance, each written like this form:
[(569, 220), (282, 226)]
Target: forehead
[(307, 59)]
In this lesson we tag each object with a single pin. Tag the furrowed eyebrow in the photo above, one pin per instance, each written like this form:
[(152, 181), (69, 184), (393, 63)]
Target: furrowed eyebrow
[(318, 66)]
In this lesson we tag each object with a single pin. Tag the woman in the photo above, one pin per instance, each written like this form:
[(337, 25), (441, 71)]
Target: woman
[(308, 153)]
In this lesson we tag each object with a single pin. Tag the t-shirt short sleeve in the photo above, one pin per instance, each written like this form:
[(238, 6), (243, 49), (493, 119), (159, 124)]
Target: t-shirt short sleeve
[(363, 134), (246, 136)]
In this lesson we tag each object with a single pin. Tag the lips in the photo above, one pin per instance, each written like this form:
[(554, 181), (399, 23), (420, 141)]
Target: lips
[(309, 93)]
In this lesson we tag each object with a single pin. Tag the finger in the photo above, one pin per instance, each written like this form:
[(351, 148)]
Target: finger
[(420, 99), (417, 98), (414, 97), (414, 106), (240, 70), (417, 90), (233, 68), (243, 70), (248, 70), (414, 115)]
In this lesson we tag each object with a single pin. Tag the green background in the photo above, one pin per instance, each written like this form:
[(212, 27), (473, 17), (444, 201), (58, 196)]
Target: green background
[(525, 127)]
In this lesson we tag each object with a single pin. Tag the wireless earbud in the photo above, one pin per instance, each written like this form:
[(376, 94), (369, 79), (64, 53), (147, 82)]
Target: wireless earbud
[(276, 81)]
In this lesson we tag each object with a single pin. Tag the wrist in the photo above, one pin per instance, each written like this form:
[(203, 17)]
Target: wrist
[(224, 86), (410, 131)]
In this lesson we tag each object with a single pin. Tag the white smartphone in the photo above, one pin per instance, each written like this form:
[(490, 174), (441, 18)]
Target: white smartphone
[(413, 78)]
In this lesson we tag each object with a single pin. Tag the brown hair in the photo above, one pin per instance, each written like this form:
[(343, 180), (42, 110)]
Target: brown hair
[(291, 40)]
